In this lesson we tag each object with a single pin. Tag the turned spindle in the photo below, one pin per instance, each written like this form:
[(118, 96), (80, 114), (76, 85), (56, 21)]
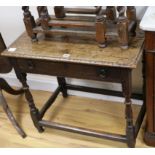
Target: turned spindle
[(111, 13), (44, 17), (59, 11), (101, 30), (122, 27), (39, 11), (98, 9), (29, 22), (131, 14)]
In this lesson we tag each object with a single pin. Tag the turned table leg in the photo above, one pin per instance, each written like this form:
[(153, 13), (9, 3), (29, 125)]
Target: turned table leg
[(127, 89), (131, 14), (62, 84), (101, 30), (59, 11), (33, 110), (29, 23)]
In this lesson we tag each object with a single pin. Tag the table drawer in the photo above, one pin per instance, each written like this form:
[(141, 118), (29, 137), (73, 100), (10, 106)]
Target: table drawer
[(81, 71)]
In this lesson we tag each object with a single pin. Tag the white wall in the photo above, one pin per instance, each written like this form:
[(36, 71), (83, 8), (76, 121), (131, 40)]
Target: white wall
[(11, 26)]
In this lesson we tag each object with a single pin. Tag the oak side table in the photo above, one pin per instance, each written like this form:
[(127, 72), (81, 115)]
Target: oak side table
[(63, 56), (148, 25)]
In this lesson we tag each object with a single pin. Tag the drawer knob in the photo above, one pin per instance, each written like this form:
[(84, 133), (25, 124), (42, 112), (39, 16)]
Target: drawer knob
[(30, 65), (103, 72)]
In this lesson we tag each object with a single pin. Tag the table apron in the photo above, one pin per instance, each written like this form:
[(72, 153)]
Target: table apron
[(72, 70)]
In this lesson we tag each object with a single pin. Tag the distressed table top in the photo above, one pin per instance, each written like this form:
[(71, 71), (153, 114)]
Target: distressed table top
[(84, 51)]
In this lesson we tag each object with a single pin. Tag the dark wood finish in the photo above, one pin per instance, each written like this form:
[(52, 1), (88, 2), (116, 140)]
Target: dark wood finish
[(75, 18), (99, 134), (140, 119), (49, 102), (49, 61), (101, 29), (82, 10), (59, 11), (92, 72), (33, 110), (44, 17), (131, 14), (5, 67), (6, 87), (106, 74), (105, 20), (29, 23), (10, 115), (123, 27), (111, 13), (149, 59), (102, 91), (127, 88), (63, 86), (71, 23), (63, 32)]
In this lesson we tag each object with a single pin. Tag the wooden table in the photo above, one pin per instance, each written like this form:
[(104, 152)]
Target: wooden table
[(148, 25), (63, 56)]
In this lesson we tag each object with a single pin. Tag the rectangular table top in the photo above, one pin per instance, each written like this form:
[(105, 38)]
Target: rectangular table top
[(83, 51)]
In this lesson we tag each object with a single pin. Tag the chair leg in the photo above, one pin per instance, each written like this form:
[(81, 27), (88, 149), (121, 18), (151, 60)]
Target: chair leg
[(62, 84), (10, 115), (8, 89)]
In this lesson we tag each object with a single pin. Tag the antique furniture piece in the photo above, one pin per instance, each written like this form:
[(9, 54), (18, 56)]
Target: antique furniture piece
[(5, 67), (82, 59), (148, 25), (97, 23)]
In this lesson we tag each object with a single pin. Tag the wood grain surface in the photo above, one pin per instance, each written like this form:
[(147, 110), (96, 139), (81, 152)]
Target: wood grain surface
[(79, 111), (78, 50)]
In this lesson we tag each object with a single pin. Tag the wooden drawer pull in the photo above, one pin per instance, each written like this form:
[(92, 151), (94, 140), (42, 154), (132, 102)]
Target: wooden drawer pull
[(30, 65), (103, 73)]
